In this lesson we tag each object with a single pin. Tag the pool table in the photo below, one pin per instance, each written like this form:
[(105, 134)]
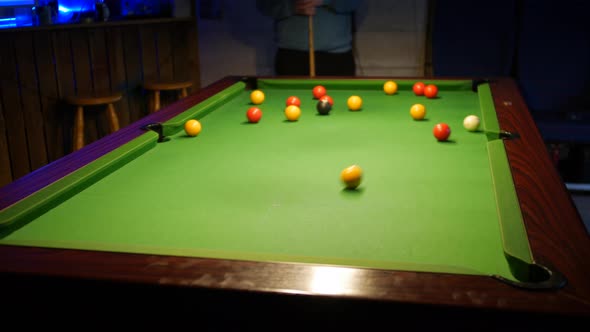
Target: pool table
[(481, 220)]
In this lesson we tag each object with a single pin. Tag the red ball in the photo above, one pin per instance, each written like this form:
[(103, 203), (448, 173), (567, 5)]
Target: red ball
[(430, 91), (442, 131), (329, 99), (254, 114), (293, 101), (418, 88), (319, 91)]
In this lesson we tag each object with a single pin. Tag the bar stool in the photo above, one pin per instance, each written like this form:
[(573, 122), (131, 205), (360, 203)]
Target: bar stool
[(80, 102), (155, 87)]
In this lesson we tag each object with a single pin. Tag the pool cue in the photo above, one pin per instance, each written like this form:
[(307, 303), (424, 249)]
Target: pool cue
[(311, 48)]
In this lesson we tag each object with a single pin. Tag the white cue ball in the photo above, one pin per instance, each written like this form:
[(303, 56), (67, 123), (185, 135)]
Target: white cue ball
[(471, 123)]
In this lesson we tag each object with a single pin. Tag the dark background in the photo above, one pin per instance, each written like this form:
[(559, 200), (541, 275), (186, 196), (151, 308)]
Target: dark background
[(544, 45)]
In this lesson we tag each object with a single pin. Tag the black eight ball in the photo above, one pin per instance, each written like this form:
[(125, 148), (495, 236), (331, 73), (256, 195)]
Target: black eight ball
[(323, 107)]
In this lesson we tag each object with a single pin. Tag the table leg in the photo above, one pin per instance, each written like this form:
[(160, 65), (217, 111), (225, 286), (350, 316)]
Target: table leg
[(112, 116), (156, 101), (79, 128)]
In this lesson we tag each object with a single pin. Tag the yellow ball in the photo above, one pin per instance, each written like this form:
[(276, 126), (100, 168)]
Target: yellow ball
[(351, 176), (292, 112), (418, 111), (390, 87), (192, 127), (257, 97), (354, 103)]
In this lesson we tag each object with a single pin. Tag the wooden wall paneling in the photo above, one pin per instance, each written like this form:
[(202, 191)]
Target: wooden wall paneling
[(11, 105), (30, 99), (5, 169), (84, 81), (193, 54), (179, 53), (118, 79), (50, 108), (165, 59), (164, 51), (148, 59), (81, 60), (66, 82), (149, 53), (134, 72), (99, 62), (100, 72)]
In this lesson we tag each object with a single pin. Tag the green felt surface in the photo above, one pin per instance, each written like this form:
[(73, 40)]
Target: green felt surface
[(271, 191)]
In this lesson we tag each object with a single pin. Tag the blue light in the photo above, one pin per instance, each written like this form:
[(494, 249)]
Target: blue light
[(70, 10), (10, 19), (14, 3), (65, 9)]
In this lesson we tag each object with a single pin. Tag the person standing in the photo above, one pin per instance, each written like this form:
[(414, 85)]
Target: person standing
[(332, 26)]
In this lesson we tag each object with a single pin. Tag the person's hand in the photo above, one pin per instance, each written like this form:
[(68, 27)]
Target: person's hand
[(306, 7)]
